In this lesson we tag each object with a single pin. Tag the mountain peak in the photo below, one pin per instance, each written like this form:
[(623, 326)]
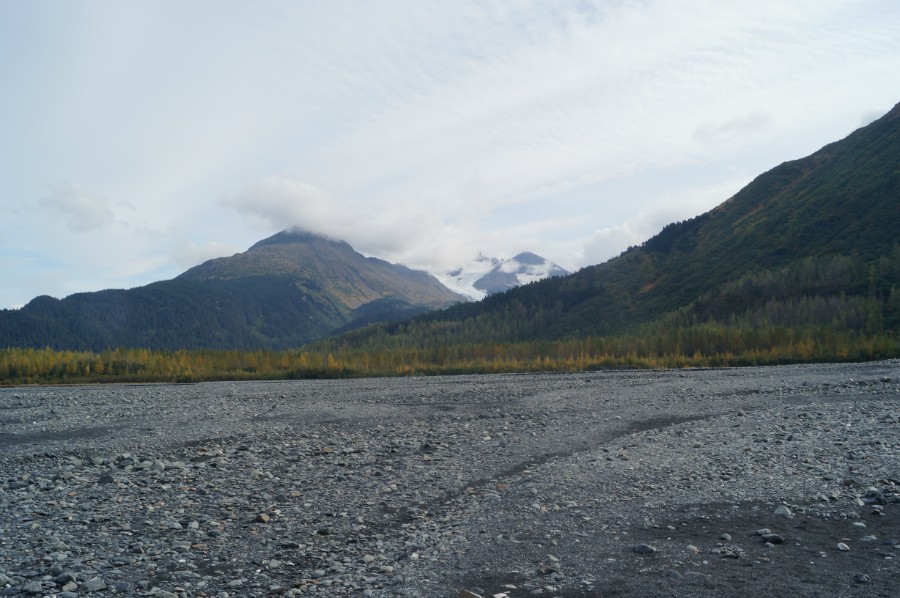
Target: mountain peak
[(484, 276), (289, 289), (528, 258), (297, 236)]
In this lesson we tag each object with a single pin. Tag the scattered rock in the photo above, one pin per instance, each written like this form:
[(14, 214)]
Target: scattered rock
[(783, 511), (93, 585)]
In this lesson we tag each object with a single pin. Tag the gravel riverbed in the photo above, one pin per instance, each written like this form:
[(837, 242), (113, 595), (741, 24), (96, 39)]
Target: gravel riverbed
[(780, 481)]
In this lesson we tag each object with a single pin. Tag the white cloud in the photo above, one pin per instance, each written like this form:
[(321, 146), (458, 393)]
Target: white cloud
[(82, 211), (414, 232), (284, 203), (188, 254), (734, 130), (608, 242)]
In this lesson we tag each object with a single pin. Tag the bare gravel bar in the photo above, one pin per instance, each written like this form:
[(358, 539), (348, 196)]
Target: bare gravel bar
[(777, 481)]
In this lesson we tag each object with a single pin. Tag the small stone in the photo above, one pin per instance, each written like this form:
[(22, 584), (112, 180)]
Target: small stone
[(33, 587), (869, 538), (548, 569), (783, 511), (467, 594), (93, 585), (644, 549), (862, 578), (263, 518), (842, 547), (773, 539), (725, 537), (368, 558)]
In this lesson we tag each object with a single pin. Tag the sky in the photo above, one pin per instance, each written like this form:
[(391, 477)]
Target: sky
[(140, 138)]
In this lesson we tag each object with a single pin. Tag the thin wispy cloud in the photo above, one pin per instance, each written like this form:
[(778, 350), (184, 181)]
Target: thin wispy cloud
[(421, 132), (82, 211)]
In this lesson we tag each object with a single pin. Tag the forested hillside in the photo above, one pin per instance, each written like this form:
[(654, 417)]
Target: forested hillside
[(808, 249)]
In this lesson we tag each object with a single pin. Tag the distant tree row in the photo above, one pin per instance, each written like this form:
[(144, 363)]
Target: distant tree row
[(701, 345)]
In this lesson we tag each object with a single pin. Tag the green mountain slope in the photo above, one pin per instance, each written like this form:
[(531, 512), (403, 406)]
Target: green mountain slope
[(340, 272), (284, 291), (798, 220)]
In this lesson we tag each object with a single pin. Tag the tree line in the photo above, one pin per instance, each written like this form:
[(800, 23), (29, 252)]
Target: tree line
[(701, 345)]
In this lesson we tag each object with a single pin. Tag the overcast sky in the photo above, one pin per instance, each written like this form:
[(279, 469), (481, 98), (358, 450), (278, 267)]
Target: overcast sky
[(139, 138)]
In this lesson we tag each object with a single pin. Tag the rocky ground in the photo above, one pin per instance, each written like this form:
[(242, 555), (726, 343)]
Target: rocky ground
[(765, 481)]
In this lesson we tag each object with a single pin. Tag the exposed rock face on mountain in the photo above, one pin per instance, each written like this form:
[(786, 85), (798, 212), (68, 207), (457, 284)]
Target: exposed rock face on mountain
[(286, 290), (485, 276)]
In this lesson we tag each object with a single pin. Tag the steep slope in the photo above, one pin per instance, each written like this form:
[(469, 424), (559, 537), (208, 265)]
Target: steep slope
[(843, 200), (284, 291), (485, 276)]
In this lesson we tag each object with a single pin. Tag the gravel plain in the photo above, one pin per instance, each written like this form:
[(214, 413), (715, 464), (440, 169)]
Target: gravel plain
[(777, 481)]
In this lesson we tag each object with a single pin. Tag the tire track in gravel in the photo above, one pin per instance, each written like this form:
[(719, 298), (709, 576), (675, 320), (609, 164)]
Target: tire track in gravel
[(635, 427), (9, 439)]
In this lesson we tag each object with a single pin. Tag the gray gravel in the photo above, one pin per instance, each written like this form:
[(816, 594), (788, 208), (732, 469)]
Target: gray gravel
[(776, 481)]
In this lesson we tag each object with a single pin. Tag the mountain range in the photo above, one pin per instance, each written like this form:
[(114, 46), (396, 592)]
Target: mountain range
[(809, 247), (485, 276)]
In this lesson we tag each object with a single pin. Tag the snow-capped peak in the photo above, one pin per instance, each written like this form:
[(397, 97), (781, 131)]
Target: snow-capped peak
[(483, 275)]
